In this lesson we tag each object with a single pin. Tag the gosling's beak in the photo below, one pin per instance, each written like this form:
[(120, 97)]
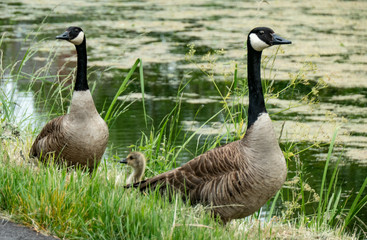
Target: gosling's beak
[(124, 160), (64, 36), (277, 40)]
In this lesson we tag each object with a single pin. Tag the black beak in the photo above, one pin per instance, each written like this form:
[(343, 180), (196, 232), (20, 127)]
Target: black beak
[(64, 36), (277, 40), (124, 160)]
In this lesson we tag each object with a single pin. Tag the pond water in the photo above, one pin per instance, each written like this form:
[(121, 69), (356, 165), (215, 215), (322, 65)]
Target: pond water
[(331, 34)]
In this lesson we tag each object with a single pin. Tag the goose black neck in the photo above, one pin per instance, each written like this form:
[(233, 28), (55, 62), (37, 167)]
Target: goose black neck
[(81, 83), (256, 97)]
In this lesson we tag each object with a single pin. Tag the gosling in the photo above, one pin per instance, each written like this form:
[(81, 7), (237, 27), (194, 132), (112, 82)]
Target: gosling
[(137, 161)]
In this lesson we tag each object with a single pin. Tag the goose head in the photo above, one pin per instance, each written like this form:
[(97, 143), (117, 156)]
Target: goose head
[(75, 35), (263, 37), (137, 161)]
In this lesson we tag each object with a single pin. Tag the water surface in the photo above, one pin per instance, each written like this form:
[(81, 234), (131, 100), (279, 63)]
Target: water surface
[(330, 34)]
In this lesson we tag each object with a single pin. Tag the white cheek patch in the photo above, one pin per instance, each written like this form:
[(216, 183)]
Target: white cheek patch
[(257, 43), (78, 40)]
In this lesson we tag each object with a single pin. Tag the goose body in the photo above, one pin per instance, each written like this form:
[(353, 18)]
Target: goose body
[(238, 178), (137, 161), (80, 137)]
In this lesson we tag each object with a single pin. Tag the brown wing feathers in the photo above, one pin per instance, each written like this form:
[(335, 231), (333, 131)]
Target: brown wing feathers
[(49, 139), (207, 169)]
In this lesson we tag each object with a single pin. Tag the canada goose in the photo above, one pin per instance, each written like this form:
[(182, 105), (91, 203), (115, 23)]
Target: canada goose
[(238, 178), (79, 137), (137, 161)]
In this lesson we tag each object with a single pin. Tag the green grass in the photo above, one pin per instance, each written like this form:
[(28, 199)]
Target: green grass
[(74, 205), (329, 208), (77, 206)]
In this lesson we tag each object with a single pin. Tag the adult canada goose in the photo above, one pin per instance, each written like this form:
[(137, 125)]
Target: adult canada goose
[(79, 137), (238, 178), (137, 161)]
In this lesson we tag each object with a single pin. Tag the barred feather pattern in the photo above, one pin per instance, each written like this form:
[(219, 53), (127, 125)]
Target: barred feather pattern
[(50, 140), (234, 180)]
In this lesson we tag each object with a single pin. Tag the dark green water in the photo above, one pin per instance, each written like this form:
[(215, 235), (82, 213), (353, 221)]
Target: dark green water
[(158, 32)]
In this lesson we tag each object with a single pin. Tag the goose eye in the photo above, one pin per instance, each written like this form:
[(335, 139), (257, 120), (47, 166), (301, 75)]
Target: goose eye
[(261, 32)]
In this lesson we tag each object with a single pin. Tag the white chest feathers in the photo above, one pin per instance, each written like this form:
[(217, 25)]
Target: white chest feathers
[(82, 106), (263, 147), (83, 119)]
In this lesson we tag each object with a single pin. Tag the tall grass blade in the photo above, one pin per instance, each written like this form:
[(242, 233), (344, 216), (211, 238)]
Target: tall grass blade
[(357, 204), (123, 86), (273, 204), (321, 201), (142, 90), (235, 77)]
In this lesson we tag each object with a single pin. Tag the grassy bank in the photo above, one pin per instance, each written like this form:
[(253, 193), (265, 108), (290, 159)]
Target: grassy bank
[(74, 205)]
